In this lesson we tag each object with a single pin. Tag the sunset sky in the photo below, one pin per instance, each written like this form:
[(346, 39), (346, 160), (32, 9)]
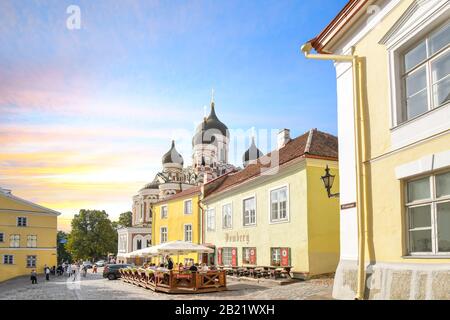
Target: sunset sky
[(85, 115)]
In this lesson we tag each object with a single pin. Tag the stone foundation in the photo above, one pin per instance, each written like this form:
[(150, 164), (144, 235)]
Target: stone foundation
[(394, 281)]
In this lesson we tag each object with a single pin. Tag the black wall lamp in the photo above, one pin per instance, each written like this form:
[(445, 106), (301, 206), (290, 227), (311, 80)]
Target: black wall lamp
[(328, 180)]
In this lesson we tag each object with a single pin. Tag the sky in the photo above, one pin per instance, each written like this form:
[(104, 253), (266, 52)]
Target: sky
[(86, 114)]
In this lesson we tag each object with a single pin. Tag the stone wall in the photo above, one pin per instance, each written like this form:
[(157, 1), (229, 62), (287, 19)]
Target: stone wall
[(394, 281)]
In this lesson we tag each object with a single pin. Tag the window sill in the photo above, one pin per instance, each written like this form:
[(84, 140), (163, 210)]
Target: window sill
[(427, 257)]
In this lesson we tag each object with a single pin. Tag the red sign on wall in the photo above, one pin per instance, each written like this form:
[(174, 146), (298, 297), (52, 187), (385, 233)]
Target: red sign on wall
[(234, 257), (253, 256), (219, 256), (285, 257)]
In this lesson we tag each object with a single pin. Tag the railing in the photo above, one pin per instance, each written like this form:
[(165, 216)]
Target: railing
[(175, 281)]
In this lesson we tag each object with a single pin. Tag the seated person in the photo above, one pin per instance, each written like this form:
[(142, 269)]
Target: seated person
[(204, 267), (193, 268), (180, 267)]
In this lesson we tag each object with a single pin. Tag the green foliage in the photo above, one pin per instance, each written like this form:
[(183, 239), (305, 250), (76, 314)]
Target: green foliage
[(62, 253), (124, 221), (93, 235)]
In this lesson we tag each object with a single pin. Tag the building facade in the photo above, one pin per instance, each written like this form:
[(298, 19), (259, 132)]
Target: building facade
[(27, 236), (178, 218), (395, 239), (276, 212)]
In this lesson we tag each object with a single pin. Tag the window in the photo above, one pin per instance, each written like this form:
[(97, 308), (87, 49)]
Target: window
[(275, 255), (31, 241), (188, 207), (164, 212), (249, 207), (210, 220), (278, 204), (139, 244), (426, 74), (249, 255), (31, 261), (428, 214), (188, 232), (14, 241), (2, 237), (123, 243), (8, 259), (164, 234), (227, 216), (227, 256), (21, 221)]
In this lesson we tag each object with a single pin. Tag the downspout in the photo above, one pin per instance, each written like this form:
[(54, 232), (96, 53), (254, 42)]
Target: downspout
[(361, 206), (202, 209)]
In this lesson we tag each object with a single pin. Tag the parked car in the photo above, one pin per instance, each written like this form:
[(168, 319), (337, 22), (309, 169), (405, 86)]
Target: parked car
[(100, 263), (111, 271), (87, 264)]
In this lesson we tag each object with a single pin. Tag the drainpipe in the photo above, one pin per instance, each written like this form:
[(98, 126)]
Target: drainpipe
[(361, 206)]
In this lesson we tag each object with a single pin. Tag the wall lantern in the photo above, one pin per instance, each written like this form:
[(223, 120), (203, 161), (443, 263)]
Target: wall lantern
[(328, 180)]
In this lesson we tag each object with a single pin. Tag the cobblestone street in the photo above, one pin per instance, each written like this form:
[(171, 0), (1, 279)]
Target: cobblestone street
[(96, 288)]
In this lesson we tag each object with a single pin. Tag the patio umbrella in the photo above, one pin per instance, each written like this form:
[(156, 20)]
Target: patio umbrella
[(181, 247)]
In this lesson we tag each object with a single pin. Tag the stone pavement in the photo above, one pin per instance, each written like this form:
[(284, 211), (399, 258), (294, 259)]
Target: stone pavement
[(96, 288)]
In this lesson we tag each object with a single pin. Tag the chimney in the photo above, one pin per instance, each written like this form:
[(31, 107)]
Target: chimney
[(284, 136)]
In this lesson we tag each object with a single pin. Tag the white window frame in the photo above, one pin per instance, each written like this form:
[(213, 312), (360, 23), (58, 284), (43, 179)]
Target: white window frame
[(162, 209), (185, 206), (12, 259), (433, 201), (16, 240), (230, 254), (231, 216), (434, 121), (185, 232), (33, 258), (22, 219), (161, 233), (210, 219), (31, 241), (243, 211), (287, 219)]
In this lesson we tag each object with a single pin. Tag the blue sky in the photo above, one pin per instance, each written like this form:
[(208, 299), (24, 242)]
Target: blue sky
[(85, 109)]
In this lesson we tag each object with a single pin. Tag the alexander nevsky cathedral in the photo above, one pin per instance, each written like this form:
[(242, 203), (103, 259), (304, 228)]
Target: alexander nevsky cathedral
[(210, 148)]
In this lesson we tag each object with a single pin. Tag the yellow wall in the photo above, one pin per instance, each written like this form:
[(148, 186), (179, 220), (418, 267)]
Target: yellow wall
[(323, 218), (387, 232), (43, 225), (313, 240), (175, 221)]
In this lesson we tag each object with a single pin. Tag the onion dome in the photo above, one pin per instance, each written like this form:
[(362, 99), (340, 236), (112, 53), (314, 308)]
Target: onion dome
[(252, 154), (209, 128), (172, 156)]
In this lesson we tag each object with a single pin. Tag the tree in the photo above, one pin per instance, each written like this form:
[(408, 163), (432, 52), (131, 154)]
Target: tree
[(62, 253), (93, 235), (124, 221)]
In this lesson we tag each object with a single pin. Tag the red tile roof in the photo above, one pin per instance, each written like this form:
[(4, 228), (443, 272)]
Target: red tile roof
[(312, 144), (182, 194)]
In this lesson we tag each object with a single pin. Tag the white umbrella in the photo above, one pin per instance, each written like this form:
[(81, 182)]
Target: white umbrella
[(182, 247)]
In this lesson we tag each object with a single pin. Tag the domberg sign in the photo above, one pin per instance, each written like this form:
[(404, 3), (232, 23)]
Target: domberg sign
[(237, 237)]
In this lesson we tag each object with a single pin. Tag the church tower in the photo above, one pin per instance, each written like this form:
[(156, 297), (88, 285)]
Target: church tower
[(210, 146)]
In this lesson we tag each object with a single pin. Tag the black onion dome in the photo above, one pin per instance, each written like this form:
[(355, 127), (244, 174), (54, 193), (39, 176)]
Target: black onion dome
[(172, 156), (211, 126), (251, 154)]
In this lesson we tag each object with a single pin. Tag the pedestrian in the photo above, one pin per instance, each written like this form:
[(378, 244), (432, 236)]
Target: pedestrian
[(69, 270), (33, 277), (47, 273), (94, 269)]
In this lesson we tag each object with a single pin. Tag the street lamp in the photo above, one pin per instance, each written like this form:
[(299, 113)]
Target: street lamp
[(328, 180)]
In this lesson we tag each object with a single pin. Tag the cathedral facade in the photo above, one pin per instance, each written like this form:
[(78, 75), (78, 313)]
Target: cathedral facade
[(210, 151)]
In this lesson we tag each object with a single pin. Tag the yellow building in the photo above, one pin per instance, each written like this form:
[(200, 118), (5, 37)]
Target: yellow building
[(393, 71), (276, 211), (27, 236), (178, 218)]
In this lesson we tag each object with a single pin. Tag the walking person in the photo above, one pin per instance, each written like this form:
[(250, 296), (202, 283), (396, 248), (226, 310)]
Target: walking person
[(94, 269), (69, 270), (33, 277), (47, 273)]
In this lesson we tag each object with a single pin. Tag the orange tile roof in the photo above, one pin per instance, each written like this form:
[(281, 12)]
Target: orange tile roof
[(182, 194)]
